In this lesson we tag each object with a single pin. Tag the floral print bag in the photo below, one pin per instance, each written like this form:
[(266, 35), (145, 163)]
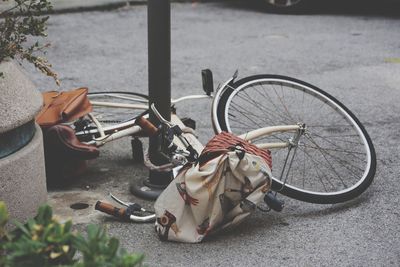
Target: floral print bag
[(216, 193)]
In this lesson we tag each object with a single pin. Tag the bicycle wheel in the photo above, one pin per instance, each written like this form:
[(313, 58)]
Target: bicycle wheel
[(335, 160), (112, 110)]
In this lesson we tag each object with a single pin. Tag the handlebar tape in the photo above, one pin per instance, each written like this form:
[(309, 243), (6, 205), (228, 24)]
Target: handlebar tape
[(147, 126), (110, 209)]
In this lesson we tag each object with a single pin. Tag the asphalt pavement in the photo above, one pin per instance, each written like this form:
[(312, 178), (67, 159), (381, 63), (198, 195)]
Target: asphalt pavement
[(352, 54)]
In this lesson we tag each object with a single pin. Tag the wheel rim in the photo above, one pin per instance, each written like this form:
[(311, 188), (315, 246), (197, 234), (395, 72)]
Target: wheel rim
[(338, 165)]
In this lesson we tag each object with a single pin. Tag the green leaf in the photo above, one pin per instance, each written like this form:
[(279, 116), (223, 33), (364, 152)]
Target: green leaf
[(30, 224), (80, 243), (44, 215), (3, 209), (21, 228), (67, 226), (113, 247), (92, 231), (129, 260)]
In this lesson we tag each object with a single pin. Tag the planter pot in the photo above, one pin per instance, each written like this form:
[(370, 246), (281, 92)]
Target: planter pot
[(22, 169)]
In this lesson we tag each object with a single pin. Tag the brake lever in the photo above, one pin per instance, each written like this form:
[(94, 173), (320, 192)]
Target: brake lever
[(159, 117), (177, 131)]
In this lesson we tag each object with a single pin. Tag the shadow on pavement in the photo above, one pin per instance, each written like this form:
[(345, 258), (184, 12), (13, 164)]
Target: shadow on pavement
[(317, 211)]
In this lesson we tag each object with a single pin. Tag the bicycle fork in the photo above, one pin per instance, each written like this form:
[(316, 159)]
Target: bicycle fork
[(271, 197)]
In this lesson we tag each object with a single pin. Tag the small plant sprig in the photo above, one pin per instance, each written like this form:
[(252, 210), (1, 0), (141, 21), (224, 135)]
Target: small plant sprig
[(43, 241), (100, 250), (20, 28)]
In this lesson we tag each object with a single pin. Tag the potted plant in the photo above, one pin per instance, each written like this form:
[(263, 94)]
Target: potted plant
[(43, 241)]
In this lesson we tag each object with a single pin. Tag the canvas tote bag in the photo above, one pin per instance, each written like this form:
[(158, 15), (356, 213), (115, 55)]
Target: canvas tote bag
[(217, 192)]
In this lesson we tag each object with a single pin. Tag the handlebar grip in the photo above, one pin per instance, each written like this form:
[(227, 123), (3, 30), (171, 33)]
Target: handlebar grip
[(147, 126), (110, 209)]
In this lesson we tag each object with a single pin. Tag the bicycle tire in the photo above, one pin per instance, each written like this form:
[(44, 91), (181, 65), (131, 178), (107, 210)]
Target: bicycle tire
[(110, 116), (290, 90)]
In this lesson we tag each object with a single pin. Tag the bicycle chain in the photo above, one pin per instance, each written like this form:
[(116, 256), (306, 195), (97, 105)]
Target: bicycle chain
[(110, 121)]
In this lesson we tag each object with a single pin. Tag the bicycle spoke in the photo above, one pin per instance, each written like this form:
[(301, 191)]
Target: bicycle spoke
[(341, 139), (273, 102), (329, 163), (316, 167), (241, 110), (353, 169), (337, 150), (253, 103), (250, 116), (320, 177), (285, 107), (258, 125), (354, 154)]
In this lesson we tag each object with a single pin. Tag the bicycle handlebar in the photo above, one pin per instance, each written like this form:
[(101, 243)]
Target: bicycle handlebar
[(147, 126), (168, 131), (111, 210), (122, 213)]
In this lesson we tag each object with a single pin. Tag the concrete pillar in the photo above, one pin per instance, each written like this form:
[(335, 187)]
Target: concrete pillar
[(22, 169)]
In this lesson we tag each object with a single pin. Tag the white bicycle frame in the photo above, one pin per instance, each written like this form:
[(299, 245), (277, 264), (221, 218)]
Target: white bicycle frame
[(129, 128)]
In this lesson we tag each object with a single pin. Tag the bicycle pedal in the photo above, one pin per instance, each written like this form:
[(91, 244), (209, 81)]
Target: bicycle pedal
[(273, 202)]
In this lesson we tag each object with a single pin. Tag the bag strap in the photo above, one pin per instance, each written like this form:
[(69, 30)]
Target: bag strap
[(225, 142)]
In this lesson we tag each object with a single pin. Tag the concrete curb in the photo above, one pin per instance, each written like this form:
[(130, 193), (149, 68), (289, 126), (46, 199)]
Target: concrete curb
[(71, 6)]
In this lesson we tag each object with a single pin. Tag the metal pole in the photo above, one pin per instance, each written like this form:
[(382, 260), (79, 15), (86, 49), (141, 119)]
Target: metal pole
[(159, 60)]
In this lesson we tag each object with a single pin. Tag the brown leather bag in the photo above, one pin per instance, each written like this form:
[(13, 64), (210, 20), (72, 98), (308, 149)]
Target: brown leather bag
[(62, 107)]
